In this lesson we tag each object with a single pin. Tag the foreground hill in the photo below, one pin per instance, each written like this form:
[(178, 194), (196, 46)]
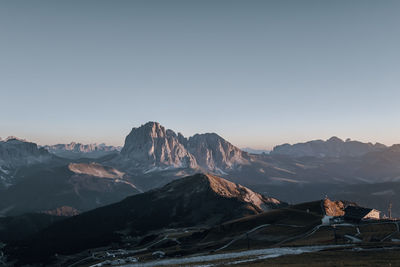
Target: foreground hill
[(199, 200), (22, 226)]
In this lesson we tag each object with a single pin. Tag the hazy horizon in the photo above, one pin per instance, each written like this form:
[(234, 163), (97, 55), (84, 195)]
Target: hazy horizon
[(266, 147), (258, 73)]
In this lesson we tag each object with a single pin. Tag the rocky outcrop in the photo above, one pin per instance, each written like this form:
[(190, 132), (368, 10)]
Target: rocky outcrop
[(333, 208), (228, 189), (333, 147), (212, 152), (152, 147)]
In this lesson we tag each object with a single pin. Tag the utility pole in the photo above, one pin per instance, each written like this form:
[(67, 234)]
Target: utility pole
[(390, 210), (334, 234)]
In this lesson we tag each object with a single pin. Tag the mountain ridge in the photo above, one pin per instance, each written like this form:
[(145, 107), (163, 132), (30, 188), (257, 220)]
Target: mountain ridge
[(75, 150), (332, 147), (152, 146), (16, 153)]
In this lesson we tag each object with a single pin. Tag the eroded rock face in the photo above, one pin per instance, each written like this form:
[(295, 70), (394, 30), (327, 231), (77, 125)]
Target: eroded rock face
[(151, 145), (333, 208), (228, 189), (212, 152)]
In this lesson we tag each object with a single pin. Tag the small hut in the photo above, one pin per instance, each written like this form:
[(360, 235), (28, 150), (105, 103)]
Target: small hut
[(357, 214)]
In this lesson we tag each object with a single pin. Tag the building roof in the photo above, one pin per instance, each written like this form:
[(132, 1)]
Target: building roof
[(355, 212)]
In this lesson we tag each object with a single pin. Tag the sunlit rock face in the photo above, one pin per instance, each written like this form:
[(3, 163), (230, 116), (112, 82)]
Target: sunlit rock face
[(151, 145), (212, 152), (228, 189), (95, 170)]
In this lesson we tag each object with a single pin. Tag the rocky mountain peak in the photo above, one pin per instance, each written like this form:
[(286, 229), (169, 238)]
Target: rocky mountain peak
[(14, 139), (335, 139), (153, 146), (17, 152), (212, 152)]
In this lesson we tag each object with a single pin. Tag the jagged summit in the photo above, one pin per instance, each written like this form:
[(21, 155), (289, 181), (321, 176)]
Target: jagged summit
[(215, 153), (152, 146), (14, 139), (335, 139)]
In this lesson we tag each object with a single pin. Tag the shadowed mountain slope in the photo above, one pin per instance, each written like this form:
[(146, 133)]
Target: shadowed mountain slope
[(199, 200), (17, 153), (81, 186)]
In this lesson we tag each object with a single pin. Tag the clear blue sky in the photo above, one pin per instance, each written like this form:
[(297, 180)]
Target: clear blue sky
[(259, 73)]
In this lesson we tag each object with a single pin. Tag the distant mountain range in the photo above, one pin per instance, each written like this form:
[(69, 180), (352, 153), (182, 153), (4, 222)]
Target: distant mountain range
[(77, 150), (153, 156), (333, 147), (255, 151)]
